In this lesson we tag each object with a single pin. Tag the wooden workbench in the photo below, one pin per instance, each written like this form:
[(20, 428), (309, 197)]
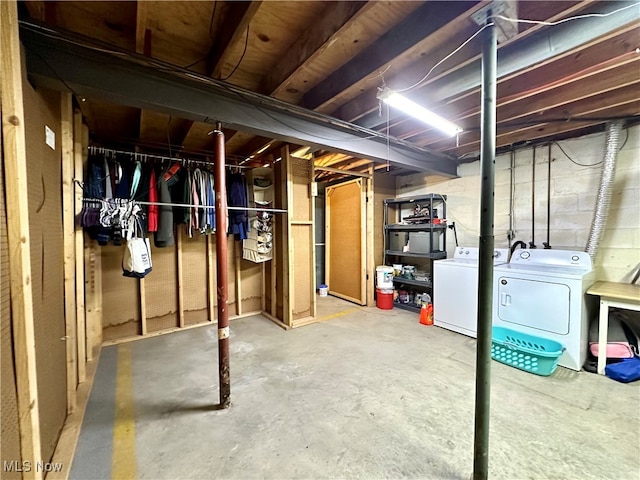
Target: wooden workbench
[(612, 294)]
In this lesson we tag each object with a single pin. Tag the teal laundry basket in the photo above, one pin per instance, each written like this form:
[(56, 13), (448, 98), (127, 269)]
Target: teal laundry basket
[(527, 352)]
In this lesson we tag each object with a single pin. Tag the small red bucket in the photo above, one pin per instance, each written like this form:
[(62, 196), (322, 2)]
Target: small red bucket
[(384, 299)]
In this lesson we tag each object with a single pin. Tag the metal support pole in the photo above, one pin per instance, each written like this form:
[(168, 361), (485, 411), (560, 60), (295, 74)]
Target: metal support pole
[(532, 243), (221, 269), (485, 268), (547, 244)]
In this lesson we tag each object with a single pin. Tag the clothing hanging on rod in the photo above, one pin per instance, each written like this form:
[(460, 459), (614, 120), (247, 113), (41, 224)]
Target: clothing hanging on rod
[(169, 190), (93, 150), (212, 207)]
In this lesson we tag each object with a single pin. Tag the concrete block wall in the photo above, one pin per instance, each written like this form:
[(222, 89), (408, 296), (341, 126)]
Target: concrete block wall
[(572, 200)]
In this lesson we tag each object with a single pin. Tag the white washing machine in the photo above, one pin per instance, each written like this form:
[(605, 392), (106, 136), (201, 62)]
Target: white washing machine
[(542, 293), (455, 289)]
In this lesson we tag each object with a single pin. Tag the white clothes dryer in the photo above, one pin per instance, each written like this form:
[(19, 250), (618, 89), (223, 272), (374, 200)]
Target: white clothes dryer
[(455, 289), (542, 293)]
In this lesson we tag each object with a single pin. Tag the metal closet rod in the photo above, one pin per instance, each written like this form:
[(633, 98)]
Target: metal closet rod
[(166, 204), (95, 149)]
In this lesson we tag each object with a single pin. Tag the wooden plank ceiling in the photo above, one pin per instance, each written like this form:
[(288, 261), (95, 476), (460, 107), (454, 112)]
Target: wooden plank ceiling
[(333, 56)]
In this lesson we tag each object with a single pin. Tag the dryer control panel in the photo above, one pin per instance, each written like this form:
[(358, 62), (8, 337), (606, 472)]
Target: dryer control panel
[(558, 258)]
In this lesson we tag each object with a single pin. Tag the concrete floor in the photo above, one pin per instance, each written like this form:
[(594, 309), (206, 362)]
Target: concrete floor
[(365, 394)]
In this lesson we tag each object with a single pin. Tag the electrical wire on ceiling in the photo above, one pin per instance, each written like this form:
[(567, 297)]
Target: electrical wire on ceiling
[(244, 52), (420, 82), (460, 47), (568, 19), (213, 14)]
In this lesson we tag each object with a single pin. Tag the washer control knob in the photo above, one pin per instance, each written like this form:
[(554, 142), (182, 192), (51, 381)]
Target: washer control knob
[(461, 251), (466, 252), (575, 258), (525, 255), (496, 254)]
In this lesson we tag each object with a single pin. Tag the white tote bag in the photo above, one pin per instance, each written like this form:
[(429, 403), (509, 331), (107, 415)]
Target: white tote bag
[(136, 261)]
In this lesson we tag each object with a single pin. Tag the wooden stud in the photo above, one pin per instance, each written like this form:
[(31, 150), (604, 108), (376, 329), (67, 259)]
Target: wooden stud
[(370, 262), (142, 43), (237, 247), (276, 321), (263, 296), (274, 275), (93, 322), (99, 308), (96, 257), (363, 241), (180, 280), (15, 164), (69, 246), (211, 294), (98, 260), (312, 239), (79, 247), (287, 268), (143, 307), (327, 243)]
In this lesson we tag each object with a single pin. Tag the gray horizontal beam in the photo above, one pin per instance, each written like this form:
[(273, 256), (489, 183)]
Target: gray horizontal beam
[(98, 71)]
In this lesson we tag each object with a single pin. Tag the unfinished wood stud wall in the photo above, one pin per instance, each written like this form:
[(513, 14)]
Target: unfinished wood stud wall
[(68, 215), (79, 246)]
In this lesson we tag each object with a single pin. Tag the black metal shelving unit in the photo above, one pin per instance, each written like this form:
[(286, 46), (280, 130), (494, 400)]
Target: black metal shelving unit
[(395, 209)]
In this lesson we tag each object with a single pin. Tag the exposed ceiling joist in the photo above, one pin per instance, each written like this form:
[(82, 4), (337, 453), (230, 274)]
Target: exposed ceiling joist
[(422, 23), (312, 43), (94, 72), (231, 32), (143, 34), (434, 55), (546, 88), (532, 51)]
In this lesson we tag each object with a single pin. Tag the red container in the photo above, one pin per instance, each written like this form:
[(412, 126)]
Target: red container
[(384, 301)]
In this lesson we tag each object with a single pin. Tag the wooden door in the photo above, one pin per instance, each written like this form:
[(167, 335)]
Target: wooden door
[(346, 245)]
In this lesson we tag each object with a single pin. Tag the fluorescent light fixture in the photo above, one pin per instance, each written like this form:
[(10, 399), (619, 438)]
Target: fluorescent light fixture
[(263, 149), (410, 107)]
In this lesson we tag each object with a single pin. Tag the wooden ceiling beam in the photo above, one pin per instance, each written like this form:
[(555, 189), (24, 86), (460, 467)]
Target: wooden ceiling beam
[(579, 67), (596, 109), (35, 9), (601, 87), (240, 139), (337, 17), (351, 164), (366, 102), (198, 138), (330, 159), (252, 146), (425, 21), (231, 19), (231, 29)]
